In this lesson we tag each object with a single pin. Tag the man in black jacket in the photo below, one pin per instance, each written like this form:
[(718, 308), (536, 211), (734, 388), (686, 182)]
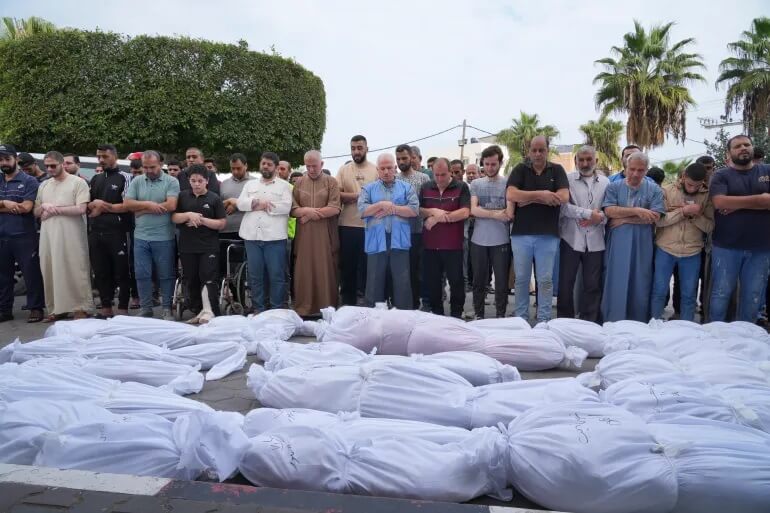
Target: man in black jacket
[(108, 229)]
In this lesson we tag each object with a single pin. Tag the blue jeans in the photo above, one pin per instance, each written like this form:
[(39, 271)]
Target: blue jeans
[(161, 254), (689, 271), (543, 249), (730, 266), (267, 257)]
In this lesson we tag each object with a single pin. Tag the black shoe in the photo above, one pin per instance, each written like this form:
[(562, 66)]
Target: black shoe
[(6, 316)]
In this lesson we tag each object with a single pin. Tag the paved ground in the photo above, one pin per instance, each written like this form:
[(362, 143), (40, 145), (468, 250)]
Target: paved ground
[(228, 394)]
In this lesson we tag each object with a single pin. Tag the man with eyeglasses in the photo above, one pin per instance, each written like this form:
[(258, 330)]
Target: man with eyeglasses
[(61, 204)]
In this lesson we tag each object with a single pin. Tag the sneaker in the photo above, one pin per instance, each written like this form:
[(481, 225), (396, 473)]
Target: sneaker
[(168, 315), (146, 313)]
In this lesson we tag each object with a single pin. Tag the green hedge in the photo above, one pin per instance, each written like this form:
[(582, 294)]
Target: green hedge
[(71, 90)]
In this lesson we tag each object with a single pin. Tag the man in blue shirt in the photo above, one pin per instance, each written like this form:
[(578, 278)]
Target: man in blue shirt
[(741, 239), (18, 237), (628, 150), (385, 206)]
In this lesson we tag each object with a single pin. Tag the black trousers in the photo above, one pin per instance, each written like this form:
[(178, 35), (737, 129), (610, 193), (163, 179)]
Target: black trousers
[(199, 270), (450, 263), (110, 262), (415, 256), (352, 263), (591, 295), (24, 251), (499, 257)]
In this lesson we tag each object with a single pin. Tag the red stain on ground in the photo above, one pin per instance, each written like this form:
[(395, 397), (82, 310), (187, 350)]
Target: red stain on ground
[(232, 490)]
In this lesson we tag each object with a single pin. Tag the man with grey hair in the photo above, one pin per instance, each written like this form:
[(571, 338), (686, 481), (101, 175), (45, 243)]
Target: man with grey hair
[(152, 198), (417, 162), (316, 207), (633, 206), (581, 228), (386, 205), (61, 205)]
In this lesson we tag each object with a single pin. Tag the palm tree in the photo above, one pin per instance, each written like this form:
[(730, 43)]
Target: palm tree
[(747, 75), (516, 139), (674, 169), (13, 28), (647, 79), (603, 134)]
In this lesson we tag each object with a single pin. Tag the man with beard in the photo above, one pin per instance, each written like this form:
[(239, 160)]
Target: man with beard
[(416, 180), (581, 228), (633, 206), (351, 178), (386, 205), (679, 240), (315, 205), (152, 198), (267, 203), (741, 245), (61, 204), (457, 169), (230, 192), (110, 223), (18, 237)]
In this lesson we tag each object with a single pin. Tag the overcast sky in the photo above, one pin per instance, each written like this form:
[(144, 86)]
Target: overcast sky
[(400, 70)]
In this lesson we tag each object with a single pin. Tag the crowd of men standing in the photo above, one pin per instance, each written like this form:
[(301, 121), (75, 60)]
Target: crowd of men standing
[(391, 231)]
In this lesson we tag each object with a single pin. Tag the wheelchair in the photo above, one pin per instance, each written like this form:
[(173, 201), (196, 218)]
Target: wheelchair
[(235, 291)]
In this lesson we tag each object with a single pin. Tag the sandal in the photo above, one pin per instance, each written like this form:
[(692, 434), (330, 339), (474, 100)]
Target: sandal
[(54, 318), (35, 316)]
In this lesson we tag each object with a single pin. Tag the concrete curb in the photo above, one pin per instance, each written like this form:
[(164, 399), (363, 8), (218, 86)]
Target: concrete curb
[(24, 487)]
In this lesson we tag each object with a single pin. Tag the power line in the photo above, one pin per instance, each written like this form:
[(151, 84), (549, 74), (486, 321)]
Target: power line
[(396, 145)]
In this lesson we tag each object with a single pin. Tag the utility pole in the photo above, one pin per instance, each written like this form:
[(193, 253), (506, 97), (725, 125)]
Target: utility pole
[(462, 141)]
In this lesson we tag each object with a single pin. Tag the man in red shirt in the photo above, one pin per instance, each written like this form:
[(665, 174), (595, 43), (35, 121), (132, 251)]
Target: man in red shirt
[(445, 204)]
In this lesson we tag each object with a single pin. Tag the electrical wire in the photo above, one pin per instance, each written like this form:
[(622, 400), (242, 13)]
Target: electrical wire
[(396, 145)]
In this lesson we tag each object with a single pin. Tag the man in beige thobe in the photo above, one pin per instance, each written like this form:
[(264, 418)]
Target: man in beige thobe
[(61, 205)]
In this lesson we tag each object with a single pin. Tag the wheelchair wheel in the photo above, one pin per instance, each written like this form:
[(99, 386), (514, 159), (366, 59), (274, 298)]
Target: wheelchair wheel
[(179, 299), (242, 287)]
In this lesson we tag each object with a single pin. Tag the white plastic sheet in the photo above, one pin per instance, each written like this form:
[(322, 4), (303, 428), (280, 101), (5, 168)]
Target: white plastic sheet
[(220, 359), (148, 445), (586, 335), (81, 328), (102, 347), (24, 425), (64, 383), (351, 426), (589, 458), (682, 395), (492, 404), (302, 457), (719, 467), (477, 368), (178, 378), (532, 350)]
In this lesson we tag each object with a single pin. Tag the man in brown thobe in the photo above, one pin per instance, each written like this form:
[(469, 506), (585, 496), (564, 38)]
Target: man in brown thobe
[(316, 205)]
